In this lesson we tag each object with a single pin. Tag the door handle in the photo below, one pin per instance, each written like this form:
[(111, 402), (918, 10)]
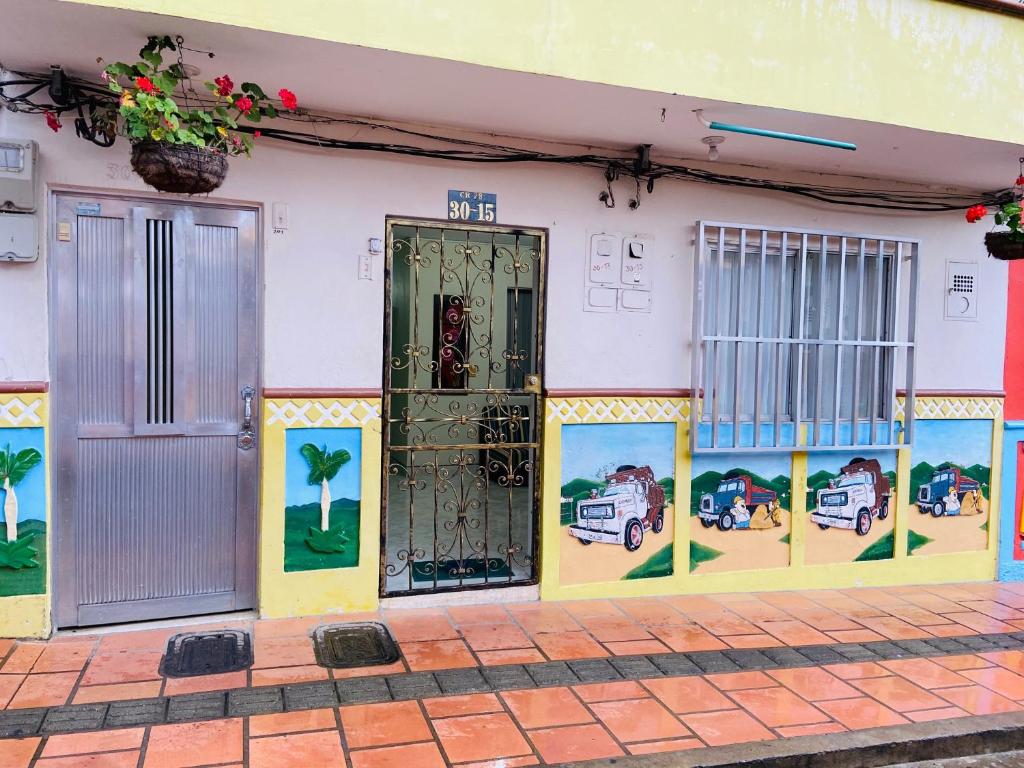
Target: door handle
[(531, 383), (247, 435)]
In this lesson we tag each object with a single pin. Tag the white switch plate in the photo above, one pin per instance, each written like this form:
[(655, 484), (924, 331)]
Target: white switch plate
[(279, 215), (365, 267)]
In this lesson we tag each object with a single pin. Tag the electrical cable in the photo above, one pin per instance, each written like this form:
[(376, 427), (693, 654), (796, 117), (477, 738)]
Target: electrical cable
[(91, 101)]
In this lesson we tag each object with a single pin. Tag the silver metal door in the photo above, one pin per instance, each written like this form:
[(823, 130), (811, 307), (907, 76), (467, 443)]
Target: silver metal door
[(155, 333)]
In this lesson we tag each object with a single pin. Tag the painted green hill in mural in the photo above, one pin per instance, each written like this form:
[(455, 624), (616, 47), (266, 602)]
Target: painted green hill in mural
[(820, 479), (922, 473), (707, 482), (658, 564), (300, 518), (26, 581), (701, 553)]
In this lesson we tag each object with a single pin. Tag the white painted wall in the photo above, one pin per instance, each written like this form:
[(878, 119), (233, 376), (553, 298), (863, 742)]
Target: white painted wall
[(339, 200)]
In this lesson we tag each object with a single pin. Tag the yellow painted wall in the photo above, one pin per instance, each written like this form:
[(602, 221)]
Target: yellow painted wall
[(336, 590), (901, 569), (926, 64), (29, 615)]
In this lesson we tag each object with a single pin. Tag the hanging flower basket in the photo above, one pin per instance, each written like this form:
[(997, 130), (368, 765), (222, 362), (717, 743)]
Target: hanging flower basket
[(181, 141), (1007, 244), (180, 168), (1003, 245)]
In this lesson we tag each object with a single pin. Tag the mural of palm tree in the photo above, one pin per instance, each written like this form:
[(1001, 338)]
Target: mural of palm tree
[(323, 467), (13, 468)]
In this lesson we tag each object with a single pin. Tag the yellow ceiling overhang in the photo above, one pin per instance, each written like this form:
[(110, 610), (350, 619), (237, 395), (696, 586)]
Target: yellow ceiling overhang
[(927, 64)]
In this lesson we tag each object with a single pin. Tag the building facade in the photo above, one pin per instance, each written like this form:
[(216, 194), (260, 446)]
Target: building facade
[(470, 341)]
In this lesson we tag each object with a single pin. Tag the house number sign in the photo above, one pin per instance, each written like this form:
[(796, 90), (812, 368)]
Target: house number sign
[(472, 206)]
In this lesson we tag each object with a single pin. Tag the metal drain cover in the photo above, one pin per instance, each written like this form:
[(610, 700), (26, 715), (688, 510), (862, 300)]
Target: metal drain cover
[(354, 645), (207, 653)]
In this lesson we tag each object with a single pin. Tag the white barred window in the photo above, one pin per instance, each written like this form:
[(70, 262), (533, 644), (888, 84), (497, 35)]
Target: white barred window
[(801, 338)]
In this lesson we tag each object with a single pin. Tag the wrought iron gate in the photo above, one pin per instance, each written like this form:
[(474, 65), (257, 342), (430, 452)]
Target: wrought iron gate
[(464, 309)]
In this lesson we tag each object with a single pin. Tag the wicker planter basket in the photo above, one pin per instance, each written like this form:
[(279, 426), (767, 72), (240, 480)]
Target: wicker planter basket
[(178, 167), (1001, 246)]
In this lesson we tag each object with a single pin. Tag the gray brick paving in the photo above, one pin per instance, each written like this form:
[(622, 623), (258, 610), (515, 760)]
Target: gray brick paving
[(21, 722), (635, 667), (84, 717), (455, 681), (418, 685), (594, 670), (714, 662), (122, 714), (255, 701), (196, 706), (552, 673), (363, 690), (508, 677), (309, 696)]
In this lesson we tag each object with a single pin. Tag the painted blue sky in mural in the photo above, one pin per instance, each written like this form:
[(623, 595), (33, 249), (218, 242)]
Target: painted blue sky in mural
[(345, 485), (590, 450), (962, 441), (767, 465), (32, 490)]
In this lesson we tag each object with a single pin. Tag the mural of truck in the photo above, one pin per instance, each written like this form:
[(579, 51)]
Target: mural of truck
[(949, 493), (857, 496), (630, 504), (736, 502)]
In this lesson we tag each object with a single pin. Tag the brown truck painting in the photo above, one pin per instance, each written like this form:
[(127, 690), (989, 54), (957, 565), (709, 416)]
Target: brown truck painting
[(631, 504), (855, 498)]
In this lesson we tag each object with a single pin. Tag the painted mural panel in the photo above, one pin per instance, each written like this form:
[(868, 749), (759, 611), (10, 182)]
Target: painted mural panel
[(949, 486), (23, 500), (850, 506), (740, 512), (322, 492), (617, 503)]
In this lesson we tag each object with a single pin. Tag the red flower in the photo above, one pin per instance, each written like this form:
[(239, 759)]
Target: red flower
[(1020, 181), (244, 103), (52, 120), (256, 134), (144, 84), (976, 213), (288, 99), (224, 85)]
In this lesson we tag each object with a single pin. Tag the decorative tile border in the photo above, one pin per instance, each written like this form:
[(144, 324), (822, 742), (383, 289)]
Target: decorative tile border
[(21, 411), (616, 410), (313, 413), (953, 407)]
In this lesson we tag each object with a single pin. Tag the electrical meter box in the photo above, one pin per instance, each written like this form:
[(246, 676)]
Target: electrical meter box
[(19, 237), (18, 175)]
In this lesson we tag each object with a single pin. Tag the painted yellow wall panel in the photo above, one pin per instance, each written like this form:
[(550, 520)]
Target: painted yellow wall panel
[(926, 64), (901, 569), (29, 615), (336, 590)]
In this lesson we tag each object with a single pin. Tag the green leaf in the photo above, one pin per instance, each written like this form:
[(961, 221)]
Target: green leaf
[(19, 554), (253, 90), (269, 110), (165, 83), (327, 542), (121, 69), (13, 468), (152, 57)]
